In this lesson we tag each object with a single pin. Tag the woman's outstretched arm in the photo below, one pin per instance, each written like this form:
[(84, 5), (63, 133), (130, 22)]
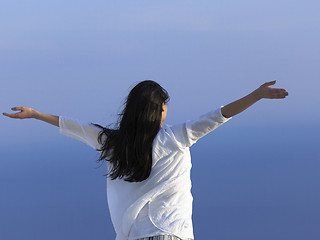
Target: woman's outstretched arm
[(264, 91), (27, 112), (83, 131)]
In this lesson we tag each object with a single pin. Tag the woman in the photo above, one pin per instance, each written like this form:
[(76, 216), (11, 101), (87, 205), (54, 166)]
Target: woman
[(148, 181)]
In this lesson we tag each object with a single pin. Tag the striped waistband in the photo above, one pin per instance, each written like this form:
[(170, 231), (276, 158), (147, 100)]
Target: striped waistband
[(163, 237)]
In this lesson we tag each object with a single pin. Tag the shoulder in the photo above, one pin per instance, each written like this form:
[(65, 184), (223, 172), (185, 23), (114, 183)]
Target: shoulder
[(171, 135)]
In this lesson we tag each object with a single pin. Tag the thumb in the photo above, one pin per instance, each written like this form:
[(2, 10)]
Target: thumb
[(270, 83), (16, 108)]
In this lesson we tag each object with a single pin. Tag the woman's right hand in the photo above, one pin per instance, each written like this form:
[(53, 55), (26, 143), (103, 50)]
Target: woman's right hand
[(26, 112)]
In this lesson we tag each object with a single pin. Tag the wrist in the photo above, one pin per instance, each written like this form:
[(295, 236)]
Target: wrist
[(35, 114), (256, 95)]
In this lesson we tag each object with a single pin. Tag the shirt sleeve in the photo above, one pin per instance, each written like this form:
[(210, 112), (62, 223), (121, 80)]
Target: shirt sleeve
[(189, 132), (82, 131)]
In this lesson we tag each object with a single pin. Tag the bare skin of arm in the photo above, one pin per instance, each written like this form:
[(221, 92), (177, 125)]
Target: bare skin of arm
[(264, 91), (27, 112)]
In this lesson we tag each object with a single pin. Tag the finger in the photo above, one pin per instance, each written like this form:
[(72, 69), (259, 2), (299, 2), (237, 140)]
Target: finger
[(270, 83), (12, 115), (17, 108), (278, 95), (278, 90), (283, 92)]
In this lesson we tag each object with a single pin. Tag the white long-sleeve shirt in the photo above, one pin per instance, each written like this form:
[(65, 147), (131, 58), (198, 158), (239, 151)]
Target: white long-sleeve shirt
[(162, 202)]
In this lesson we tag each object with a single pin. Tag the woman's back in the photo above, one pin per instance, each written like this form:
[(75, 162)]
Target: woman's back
[(166, 193)]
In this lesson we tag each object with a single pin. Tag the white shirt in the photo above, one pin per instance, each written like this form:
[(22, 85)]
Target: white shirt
[(163, 202)]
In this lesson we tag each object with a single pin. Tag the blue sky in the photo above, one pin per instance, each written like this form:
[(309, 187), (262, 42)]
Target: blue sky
[(72, 58), (80, 59)]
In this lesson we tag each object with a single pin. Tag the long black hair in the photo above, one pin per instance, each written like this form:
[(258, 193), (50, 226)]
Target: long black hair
[(129, 146)]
